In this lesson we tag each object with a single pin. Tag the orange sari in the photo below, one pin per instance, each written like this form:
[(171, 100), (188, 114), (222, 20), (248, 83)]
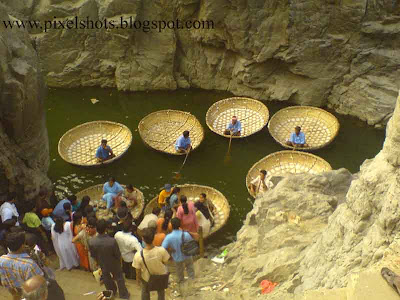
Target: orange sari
[(82, 252)]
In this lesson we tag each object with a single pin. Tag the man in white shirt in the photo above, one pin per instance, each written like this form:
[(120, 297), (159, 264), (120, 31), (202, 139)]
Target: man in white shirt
[(8, 211), (128, 245), (260, 184), (147, 218)]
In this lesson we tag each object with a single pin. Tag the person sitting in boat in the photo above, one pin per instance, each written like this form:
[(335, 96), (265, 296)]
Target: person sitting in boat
[(183, 143), (297, 138), (234, 127), (104, 152), (111, 189), (207, 210), (130, 195), (261, 184), (164, 194)]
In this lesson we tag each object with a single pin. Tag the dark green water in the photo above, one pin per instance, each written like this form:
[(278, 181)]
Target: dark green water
[(149, 170)]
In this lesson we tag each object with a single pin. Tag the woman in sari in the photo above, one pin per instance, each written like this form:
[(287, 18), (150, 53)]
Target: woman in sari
[(82, 252), (83, 237)]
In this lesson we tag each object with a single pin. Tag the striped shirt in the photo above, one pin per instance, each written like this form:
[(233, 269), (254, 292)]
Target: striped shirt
[(15, 269)]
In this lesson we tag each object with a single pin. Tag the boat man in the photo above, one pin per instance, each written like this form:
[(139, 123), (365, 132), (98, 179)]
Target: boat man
[(297, 138), (104, 152), (260, 184), (234, 127), (183, 143)]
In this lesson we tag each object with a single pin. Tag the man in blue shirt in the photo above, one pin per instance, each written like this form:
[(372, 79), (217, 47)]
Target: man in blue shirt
[(111, 190), (183, 143), (297, 138), (104, 152), (234, 128), (64, 207), (173, 243)]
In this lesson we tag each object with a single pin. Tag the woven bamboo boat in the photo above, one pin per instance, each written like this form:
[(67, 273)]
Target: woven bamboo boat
[(95, 193), (287, 162), (192, 192), (160, 130), (319, 126), (252, 114), (78, 145)]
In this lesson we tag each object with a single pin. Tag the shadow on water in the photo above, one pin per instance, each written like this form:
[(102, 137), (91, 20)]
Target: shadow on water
[(210, 164)]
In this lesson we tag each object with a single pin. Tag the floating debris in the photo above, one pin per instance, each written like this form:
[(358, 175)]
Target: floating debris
[(77, 180), (94, 100)]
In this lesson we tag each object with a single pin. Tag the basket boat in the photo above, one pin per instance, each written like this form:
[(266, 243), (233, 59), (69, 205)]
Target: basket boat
[(78, 145), (160, 130), (95, 193), (192, 192), (252, 114), (288, 162), (319, 126)]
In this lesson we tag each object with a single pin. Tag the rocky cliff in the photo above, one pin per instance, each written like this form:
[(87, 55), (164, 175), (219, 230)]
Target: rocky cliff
[(317, 231), (342, 54), (24, 153)]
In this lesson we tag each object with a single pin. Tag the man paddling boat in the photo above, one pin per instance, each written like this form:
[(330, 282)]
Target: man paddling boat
[(183, 143), (104, 152), (297, 138), (260, 184), (234, 127)]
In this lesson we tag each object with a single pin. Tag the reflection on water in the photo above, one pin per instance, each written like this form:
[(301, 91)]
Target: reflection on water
[(210, 164)]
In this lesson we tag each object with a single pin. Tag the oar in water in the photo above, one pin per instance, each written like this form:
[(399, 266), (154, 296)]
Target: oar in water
[(228, 154), (178, 174)]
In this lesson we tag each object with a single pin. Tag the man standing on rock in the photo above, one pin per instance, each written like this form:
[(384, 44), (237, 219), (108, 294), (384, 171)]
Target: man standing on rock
[(173, 243), (105, 251)]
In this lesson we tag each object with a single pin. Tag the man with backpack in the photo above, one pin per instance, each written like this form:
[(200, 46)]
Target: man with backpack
[(175, 244), (150, 264)]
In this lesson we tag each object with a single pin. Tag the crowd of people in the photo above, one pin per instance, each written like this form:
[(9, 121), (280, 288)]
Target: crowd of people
[(30, 233)]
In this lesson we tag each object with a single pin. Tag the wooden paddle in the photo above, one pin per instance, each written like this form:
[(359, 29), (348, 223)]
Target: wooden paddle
[(228, 154), (178, 174)]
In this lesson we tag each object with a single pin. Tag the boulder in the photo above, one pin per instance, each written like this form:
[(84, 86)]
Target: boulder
[(24, 148)]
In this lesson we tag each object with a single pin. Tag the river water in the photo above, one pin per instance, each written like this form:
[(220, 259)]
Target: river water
[(150, 170)]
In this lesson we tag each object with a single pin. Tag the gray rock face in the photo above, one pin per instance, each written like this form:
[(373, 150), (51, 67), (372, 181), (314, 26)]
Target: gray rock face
[(341, 54), (276, 233), (362, 230), (24, 150)]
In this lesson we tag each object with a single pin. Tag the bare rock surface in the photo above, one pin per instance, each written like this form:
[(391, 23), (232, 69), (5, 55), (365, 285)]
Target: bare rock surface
[(24, 153), (273, 241), (342, 54)]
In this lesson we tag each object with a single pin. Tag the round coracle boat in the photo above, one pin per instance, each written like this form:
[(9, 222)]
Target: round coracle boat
[(160, 130), (78, 145), (319, 126), (287, 162), (252, 114), (95, 193), (192, 192)]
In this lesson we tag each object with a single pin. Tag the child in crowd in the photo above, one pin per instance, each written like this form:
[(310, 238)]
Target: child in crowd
[(33, 225)]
